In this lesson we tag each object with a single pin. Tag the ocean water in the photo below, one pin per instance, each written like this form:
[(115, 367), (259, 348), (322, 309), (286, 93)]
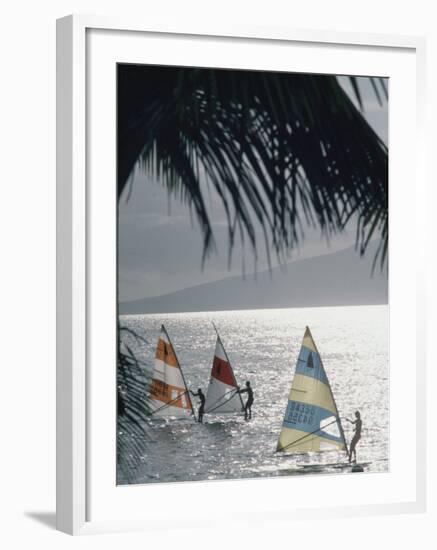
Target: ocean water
[(263, 346)]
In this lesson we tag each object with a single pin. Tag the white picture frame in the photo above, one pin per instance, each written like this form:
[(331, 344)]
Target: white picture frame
[(75, 343)]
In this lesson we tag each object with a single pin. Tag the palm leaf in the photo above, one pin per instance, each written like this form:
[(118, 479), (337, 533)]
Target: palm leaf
[(132, 406), (281, 150)]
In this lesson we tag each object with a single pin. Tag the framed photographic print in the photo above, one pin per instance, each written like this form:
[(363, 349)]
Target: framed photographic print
[(236, 311)]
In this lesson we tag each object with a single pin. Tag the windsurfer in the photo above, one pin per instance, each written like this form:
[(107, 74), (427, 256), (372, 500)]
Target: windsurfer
[(201, 410), (248, 406), (357, 435)]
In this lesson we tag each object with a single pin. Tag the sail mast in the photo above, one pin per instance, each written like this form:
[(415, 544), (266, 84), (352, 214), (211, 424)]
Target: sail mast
[(182, 373), (221, 395), (167, 388), (311, 419), (340, 426), (228, 360)]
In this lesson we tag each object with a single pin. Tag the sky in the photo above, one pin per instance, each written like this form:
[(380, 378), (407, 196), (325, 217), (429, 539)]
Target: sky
[(160, 245)]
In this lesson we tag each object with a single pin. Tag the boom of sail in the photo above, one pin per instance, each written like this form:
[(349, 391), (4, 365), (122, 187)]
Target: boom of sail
[(222, 395), (311, 422), (169, 394)]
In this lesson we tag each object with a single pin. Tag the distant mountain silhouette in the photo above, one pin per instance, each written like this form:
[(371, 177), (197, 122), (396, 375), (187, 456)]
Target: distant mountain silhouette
[(337, 279)]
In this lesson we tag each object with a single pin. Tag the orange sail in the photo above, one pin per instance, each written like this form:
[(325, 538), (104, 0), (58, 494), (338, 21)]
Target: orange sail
[(169, 394)]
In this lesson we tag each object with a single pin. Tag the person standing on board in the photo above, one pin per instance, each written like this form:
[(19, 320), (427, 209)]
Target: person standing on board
[(201, 397), (357, 435), (249, 402)]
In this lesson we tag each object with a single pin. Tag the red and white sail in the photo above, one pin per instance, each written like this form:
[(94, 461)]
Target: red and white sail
[(169, 394), (222, 396)]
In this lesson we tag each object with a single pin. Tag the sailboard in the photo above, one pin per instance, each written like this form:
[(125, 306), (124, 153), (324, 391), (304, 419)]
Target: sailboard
[(169, 395), (222, 395), (311, 421)]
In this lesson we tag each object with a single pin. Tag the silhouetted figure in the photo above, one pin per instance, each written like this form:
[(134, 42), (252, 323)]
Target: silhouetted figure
[(248, 406), (357, 435), (201, 410)]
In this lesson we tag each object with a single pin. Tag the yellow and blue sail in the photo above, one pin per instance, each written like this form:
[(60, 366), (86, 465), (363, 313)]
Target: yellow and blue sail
[(311, 421)]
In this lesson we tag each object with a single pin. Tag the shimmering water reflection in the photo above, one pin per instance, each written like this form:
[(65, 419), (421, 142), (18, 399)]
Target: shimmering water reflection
[(263, 346)]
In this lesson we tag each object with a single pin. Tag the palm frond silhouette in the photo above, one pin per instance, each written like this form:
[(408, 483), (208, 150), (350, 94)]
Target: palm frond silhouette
[(281, 149)]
